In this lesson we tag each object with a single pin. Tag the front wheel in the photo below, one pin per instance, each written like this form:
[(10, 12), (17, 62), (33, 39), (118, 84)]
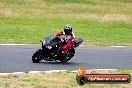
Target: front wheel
[(37, 56)]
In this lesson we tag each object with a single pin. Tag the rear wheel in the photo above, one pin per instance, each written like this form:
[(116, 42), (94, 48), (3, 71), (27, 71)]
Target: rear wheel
[(37, 56), (70, 54)]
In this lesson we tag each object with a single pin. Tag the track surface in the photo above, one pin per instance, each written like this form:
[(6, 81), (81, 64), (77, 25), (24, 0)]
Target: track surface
[(17, 58)]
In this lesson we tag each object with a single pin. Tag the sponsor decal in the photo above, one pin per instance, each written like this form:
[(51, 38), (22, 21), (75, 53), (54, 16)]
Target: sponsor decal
[(82, 77)]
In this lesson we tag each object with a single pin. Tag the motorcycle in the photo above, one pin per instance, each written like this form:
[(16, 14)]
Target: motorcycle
[(50, 50)]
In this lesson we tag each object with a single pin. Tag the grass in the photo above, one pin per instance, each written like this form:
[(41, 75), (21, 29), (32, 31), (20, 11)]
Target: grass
[(98, 22), (55, 80)]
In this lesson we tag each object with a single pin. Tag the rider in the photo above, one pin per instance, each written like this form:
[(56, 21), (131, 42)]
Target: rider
[(69, 38)]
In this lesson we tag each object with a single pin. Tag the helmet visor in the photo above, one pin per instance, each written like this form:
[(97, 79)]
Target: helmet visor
[(67, 32)]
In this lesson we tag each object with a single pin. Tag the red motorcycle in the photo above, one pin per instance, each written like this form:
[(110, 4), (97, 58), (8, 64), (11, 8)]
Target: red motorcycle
[(50, 50)]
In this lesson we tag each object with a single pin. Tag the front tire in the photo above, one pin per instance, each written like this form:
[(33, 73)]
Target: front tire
[(36, 58)]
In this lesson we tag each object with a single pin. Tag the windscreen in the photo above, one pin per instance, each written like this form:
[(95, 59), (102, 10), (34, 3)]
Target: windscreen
[(52, 39)]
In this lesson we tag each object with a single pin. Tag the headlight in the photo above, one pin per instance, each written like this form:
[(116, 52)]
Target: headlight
[(49, 47)]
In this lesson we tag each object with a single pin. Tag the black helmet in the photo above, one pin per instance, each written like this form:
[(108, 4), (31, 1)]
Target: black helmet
[(68, 29)]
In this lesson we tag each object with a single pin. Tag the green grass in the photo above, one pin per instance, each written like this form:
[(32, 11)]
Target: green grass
[(56, 80), (98, 22)]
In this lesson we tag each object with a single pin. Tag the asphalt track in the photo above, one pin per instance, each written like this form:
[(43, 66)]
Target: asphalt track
[(17, 58)]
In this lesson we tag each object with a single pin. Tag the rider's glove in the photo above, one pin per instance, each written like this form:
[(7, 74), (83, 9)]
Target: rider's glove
[(62, 40)]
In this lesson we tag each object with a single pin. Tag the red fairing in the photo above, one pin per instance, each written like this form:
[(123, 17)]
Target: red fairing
[(69, 44)]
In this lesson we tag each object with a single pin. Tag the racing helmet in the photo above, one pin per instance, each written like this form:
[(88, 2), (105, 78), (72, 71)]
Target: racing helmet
[(68, 29)]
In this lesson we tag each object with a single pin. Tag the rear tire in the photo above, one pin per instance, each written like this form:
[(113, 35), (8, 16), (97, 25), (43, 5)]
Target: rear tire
[(36, 58), (71, 53), (63, 60)]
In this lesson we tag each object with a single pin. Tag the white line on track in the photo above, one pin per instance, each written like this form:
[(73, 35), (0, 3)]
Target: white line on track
[(39, 44), (103, 69), (50, 71), (13, 44), (81, 45), (118, 46)]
